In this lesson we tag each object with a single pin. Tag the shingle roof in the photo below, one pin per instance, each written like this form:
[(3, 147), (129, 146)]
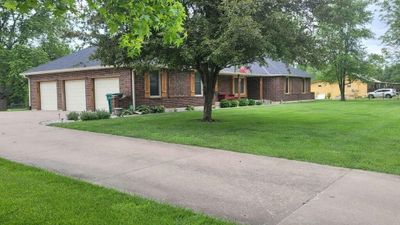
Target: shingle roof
[(272, 68), (81, 60)]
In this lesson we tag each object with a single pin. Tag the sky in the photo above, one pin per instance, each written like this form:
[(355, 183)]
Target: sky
[(378, 27)]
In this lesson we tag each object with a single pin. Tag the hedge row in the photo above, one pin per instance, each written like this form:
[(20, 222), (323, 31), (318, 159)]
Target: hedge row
[(84, 116), (241, 102)]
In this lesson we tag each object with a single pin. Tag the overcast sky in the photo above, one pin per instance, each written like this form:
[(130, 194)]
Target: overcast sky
[(378, 27)]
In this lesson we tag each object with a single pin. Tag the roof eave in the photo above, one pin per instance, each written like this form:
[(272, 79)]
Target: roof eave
[(66, 70), (263, 75)]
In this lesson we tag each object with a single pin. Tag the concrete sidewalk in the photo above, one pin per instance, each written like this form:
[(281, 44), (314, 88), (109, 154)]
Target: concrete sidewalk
[(240, 187)]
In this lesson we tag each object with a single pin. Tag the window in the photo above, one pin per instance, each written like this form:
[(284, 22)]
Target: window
[(155, 84), (198, 85), (287, 85), (236, 85)]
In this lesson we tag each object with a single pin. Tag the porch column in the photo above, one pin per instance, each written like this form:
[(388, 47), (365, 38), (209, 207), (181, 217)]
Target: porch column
[(261, 88), (239, 85)]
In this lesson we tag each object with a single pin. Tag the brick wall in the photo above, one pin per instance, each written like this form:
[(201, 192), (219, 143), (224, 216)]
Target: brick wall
[(274, 89), (178, 88), (253, 87), (178, 92), (89, 76), (225, 84)]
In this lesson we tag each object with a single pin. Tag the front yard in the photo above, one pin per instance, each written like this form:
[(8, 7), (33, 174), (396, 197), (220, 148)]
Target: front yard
[(33, 196), (354, 134)]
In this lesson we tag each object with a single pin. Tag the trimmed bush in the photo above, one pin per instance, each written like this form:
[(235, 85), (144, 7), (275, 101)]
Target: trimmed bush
[(144, 109), (259, 103), (225, 103), (252, 102), (243, 102), (102, 114), (157, 109), (73, 116), (234, 103), (189, 108), (88, 116)]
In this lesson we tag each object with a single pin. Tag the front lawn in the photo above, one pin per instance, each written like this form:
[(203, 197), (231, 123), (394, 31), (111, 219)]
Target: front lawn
[(355, 134), (33, 196)]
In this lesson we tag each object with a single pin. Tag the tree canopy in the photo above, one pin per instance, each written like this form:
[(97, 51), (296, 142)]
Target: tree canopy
[(222, 33), (28, 37), (391, 15)]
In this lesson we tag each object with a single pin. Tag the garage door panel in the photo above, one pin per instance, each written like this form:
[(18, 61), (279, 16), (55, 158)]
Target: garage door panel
[(75, 95), (102, 87), (48, 95)]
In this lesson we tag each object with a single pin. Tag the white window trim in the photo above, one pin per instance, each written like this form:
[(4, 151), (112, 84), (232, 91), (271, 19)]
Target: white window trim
[(201, 87), (159, 86)]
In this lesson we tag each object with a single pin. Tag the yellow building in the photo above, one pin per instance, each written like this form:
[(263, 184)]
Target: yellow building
[(325, 90)]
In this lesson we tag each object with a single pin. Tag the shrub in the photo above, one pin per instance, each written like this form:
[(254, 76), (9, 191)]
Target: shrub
[(102, 114), (144, 109), (259, 103), (234, 103), (157, 109), (252, 102), (73, 116), (328, 96), (243, 102), (189, 108), (224, 103), (88, 116)]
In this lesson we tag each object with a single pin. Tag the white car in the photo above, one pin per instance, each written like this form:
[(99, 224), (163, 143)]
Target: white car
[(383, 93)]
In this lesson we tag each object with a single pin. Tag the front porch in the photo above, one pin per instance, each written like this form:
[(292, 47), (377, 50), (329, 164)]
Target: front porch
[(239, 86)]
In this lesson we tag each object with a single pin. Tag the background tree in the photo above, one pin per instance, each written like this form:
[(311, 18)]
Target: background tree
[(27, 39), (341, 30), (223, 33), (43, 26), (390, 13)]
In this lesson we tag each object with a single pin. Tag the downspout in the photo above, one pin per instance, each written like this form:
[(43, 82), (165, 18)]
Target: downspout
[(133, 90), (29, 93)]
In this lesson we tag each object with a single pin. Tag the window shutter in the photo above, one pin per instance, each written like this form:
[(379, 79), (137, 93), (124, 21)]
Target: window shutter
[(164, 82), (146, 85), (192, 84)]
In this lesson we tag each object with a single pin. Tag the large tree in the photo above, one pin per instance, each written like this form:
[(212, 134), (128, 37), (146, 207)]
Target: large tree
[(341, 29), (223, 33)]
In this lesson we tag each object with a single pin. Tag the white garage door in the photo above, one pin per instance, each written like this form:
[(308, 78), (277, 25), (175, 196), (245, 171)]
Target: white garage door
[(75, 95), (48, 95), (103, 87)]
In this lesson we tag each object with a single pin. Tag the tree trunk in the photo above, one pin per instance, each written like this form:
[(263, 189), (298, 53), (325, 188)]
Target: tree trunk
[(209, 77), (209, 92), (342, 88)]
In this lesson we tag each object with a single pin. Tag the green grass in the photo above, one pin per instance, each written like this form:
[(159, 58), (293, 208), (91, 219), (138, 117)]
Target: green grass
[(33, 196), (354, 134)]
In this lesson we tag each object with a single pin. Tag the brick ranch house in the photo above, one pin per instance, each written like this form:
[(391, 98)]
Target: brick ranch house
[(77, 83)]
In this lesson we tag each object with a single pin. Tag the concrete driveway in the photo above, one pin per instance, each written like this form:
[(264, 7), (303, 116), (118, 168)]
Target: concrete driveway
[(240, 187)]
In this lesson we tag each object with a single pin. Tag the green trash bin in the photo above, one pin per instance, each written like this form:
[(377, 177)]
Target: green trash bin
[(109, 100)]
